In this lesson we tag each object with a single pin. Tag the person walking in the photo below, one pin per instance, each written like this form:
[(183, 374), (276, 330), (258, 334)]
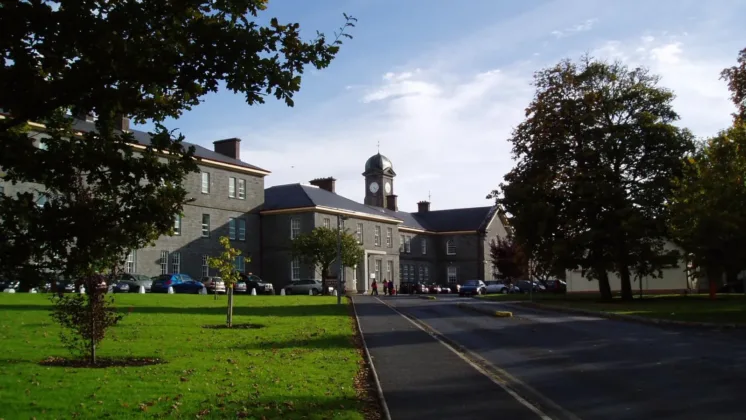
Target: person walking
[(374, 288), (391, 287), (385, 287)]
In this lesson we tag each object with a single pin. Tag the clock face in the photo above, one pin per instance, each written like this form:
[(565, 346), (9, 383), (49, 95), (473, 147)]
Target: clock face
[(374, 187), (387, 187)]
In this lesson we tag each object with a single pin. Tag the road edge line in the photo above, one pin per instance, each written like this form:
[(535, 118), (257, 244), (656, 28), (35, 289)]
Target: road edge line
[(495, 373), (369, 360)]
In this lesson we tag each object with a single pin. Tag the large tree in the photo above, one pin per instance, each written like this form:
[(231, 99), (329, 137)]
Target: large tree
[(596, 159), (507, 258), (149, 60), (318, 249), (736, 78)]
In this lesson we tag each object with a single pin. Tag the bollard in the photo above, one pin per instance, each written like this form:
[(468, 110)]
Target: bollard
[(310, 292), (334, 293), (203, 291), (253, 291), (141, 290), (33, 290), (282, 292), (82, 290), (170, 290), (9, 291)]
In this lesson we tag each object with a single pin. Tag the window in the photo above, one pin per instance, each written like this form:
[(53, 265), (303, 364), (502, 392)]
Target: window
[(377, 237), (232, 187), (327, 222), (175, 262), (408, 244), (401, 273), (451, 247), (241, 189), (129, 263), (389, 237), (295, 269), (452, 274), (2, 190), (354, 273), (232, 228), (294, 228), (239, 264), (205, 266), (205, 225), (164, 262), (177, 224), (379, 263), (205, 183), (408, 274), (401, 243), (427, 274), (41, 200), (389, 270), (423, 244), (359, 233), (241, 229), (422, 273)]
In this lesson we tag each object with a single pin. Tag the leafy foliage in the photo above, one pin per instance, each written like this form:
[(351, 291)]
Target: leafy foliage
[(507, 258), (318, 248), (736, 78), (596, 158), (85, 318), (148, 60), (225, 263)]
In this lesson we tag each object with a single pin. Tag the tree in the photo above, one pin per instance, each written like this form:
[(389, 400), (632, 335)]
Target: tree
[(709, 207), (148, 60), (596, 159), (736, 78), (225, 263), (507, 258), (318, 248)]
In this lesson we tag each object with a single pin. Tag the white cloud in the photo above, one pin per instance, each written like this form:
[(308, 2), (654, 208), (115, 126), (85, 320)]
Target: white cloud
[(580, 27), (446, 131)]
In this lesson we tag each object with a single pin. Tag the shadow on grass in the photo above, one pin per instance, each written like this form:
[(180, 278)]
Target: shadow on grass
[(278, 310)]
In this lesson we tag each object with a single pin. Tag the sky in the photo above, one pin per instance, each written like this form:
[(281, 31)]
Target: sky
[(440, 88)]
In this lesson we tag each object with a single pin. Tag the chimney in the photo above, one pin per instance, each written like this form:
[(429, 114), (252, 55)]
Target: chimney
[(325, 183), (228, 147), (391, 202), (423, 206), (124, 122)]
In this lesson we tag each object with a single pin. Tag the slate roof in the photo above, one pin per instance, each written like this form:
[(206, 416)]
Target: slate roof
[(299, 195), (143, 138)]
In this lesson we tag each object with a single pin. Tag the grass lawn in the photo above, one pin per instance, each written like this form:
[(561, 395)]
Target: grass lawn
[(726, 309), (301, 364)]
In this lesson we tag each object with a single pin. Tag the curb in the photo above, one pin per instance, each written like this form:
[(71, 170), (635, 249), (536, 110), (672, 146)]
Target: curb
[(632, 318), (369, 360), (485, 311), (427, 297)]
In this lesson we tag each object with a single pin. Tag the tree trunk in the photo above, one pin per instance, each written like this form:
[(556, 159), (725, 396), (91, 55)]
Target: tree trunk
[(230, 306), (325, 275), (91, 302), (624, 278), (603, 285)]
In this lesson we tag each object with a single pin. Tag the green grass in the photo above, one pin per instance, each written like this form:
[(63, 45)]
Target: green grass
[(302, 364), (694, 308)]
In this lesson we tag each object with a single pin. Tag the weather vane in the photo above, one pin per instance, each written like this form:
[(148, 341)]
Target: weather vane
[(378, 146), (429, 198)]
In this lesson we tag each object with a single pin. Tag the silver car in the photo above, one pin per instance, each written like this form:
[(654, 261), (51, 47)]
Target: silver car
[(214, 284), (303, 287)]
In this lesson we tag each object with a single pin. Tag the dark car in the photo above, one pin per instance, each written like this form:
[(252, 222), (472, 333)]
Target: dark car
[(164, 281), (410, 288), (255, 282), (130, 283), (524, 286), (472, 287), (556, 286)]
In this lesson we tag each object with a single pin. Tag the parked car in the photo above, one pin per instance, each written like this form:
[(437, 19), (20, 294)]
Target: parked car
[(445, 289), (214, 284), (164, 281), (454, 287), (302, 287), (496, 286), (130, 283), (433, 288), (472, 287), (524, 286), (252, 281), (556, 286), (409, 287)]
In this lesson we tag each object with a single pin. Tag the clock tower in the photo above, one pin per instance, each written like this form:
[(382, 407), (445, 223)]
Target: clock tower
[(379, 180)]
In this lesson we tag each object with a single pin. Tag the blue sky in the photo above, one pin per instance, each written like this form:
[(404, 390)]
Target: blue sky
[(441, 87)]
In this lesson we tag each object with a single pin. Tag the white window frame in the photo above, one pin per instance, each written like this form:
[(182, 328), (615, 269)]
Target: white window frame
[(390, 270), (177, 225), (231, 187), (389, 237), (232, 228), (242, 189), (423, 245), (205, 182), (164, 262), (175, 262), (205, 225), (451, 247), (378, 269), (401, 243), (359, 233), (401, 272), (240, 263), (130, 264), (327, 223), (295, 269), (427, 274), (205, 266), (421, 272), (377, 235), (452, 274), (408, 244), (354, 273), (241, 229), (294, 227)]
